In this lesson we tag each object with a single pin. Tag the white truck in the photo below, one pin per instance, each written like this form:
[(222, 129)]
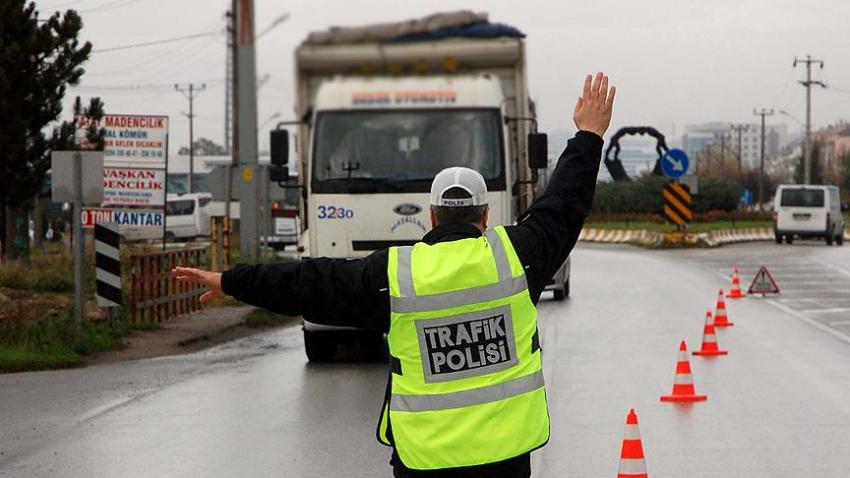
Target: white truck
[(378, 118)]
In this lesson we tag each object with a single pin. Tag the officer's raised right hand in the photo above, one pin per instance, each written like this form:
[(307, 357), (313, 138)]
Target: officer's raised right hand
[(593, 108)]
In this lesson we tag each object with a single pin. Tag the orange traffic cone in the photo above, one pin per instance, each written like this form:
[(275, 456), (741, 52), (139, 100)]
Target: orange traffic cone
[(735, 292), (632, 464), (709, 340), (720, 317), (683, 382)]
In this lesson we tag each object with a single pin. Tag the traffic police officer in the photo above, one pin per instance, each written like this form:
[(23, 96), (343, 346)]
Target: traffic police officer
[(466, 395)]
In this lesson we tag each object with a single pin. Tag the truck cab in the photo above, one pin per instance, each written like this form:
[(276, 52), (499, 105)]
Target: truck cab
[(378, 120), (377, 143)]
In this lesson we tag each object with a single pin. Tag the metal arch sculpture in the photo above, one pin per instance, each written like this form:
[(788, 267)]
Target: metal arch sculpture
[(615, 165)]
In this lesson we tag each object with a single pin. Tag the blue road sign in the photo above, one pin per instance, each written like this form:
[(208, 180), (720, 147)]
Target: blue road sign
[(675, 163), (746, 197)]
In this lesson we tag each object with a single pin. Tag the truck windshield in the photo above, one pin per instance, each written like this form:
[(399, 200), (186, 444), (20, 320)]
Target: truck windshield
[(393, 151), (802, 198)]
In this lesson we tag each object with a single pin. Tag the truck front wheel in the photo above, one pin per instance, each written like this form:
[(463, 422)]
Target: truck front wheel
[(320, 347)]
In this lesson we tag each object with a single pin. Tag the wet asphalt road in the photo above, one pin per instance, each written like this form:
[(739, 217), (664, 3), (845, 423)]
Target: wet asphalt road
[(779, 403)]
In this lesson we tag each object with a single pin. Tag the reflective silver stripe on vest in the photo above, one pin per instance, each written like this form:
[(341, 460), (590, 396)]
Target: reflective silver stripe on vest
[(500, 254), (467, 398), (405, 281), (505, 287)]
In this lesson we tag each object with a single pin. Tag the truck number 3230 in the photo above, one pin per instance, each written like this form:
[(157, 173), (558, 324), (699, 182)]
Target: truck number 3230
[(334, 212)]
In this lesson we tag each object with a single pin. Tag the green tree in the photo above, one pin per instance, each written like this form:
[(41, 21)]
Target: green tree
[(204, 147), (38, 60), (817, 171), (67, 135), (844, 185)]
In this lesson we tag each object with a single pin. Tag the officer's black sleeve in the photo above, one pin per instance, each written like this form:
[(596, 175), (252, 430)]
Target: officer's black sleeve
[(547, 232), (350, 292)]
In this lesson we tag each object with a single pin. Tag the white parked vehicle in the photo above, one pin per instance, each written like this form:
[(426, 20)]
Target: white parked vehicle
[(187, 216), (377, 121), (808, 211)]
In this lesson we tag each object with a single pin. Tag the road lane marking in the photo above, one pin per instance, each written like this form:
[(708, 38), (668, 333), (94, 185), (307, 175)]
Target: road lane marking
[(839, 322), (829, 330), (833, 267), (834, 310)]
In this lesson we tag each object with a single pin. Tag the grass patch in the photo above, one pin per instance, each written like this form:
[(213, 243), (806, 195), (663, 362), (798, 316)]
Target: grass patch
[(48, 270), (661, 227), (259, 318), (21, 359), (55, 343)]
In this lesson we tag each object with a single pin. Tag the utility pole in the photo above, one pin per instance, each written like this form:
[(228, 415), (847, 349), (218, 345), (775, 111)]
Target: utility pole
[(231, 121), (763, 113), (740, 128), (190, 93), (246, 137), (228, 82), (807, 154)]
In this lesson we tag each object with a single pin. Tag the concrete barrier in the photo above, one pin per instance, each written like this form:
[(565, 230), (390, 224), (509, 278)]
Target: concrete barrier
[(643, 237)]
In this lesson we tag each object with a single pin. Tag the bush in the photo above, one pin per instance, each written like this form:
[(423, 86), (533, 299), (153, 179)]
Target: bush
[(643, 196), (716, 194)]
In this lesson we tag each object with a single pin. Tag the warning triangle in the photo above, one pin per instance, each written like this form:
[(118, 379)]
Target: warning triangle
[(763, 283)]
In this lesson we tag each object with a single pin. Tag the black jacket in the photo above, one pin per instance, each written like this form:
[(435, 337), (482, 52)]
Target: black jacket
[(543, 238)]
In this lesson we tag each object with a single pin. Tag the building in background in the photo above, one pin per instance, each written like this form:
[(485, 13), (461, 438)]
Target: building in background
[(704, 138), (834, 141)]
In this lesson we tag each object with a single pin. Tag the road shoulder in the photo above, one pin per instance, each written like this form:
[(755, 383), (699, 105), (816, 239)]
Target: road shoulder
[(192, 332)]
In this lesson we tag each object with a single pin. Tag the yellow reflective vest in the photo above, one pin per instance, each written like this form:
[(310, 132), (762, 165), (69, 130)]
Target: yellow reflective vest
[(466, 384)]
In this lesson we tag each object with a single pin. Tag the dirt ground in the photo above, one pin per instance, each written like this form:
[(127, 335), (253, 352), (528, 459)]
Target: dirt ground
[(187, 333)]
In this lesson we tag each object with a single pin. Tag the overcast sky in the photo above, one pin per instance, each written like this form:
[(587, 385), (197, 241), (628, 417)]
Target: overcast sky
[(674, 62)]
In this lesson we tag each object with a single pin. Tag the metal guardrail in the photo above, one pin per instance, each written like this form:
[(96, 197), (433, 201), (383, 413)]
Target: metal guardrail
[(155, 295)]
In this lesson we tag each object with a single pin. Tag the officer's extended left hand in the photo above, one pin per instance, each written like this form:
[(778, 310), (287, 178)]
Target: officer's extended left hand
[(210, 279)]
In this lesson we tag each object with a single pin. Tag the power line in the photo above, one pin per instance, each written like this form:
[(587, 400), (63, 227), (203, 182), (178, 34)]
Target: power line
[(66, 4), (157, 42), (109, 6), (837, 90), (155, 60)]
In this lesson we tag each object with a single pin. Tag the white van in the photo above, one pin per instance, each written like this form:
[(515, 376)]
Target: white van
[(187, 216), (808, 211)]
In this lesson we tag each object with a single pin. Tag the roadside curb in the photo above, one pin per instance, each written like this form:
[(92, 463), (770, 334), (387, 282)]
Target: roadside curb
[(652, 239)]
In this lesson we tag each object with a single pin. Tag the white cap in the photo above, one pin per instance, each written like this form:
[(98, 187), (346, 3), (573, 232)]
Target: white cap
[(457, 177)]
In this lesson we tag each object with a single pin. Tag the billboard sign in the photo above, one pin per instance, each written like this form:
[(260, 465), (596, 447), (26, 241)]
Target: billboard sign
[(133, 187), (123, 217), (138, 141)]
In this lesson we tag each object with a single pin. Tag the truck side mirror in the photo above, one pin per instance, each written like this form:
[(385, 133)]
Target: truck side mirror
[(279, 142), (538, 151), (278, 174), (845, 207)]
